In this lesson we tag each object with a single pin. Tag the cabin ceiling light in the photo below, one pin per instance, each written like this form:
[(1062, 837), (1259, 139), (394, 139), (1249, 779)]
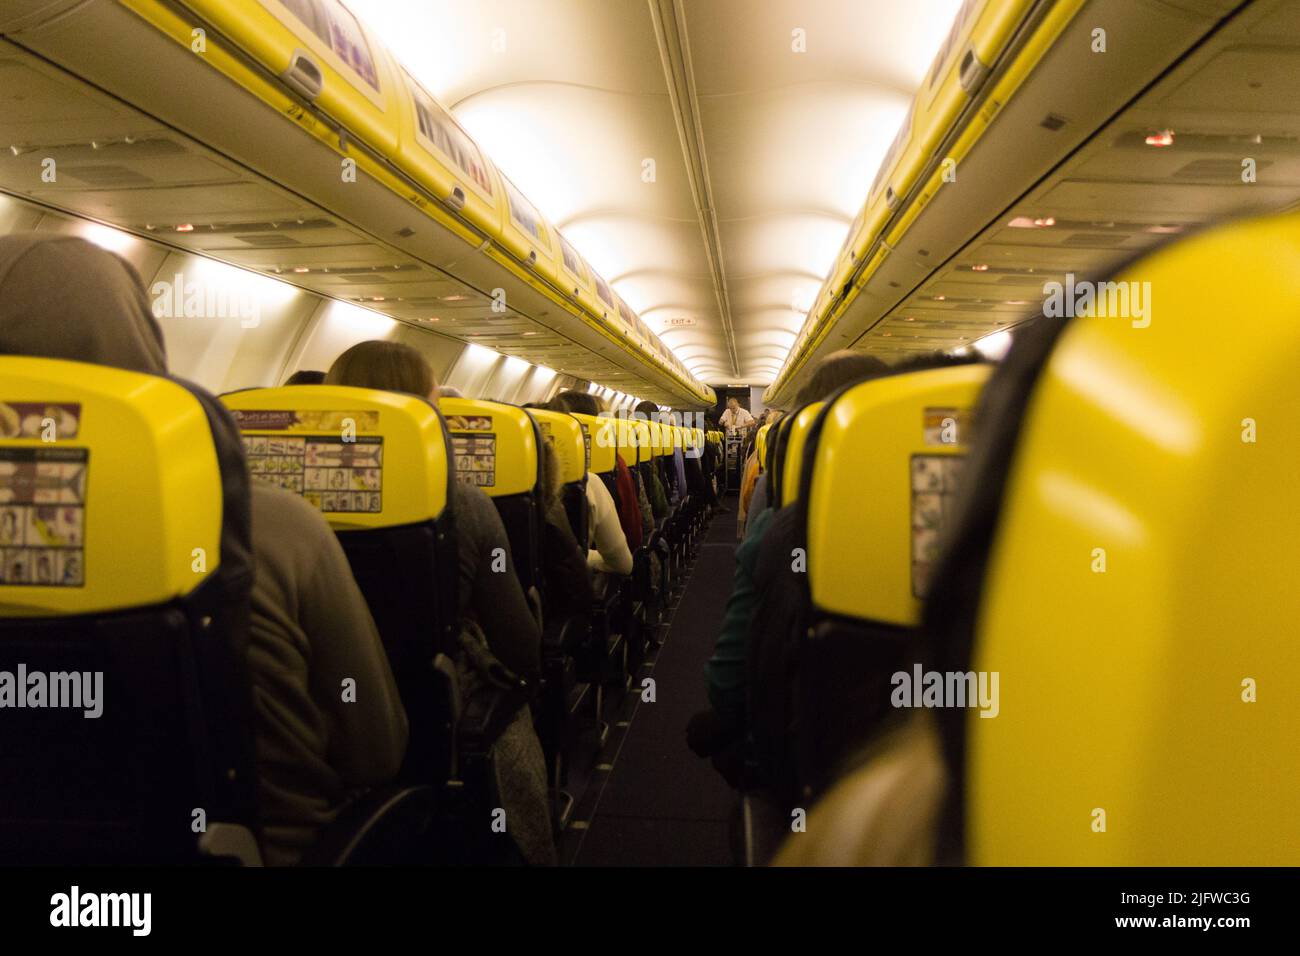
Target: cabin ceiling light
[(185, 227), (1164, 137)]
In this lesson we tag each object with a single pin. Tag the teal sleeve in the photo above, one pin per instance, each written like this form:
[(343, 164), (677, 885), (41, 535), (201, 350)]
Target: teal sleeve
[(725, 672)]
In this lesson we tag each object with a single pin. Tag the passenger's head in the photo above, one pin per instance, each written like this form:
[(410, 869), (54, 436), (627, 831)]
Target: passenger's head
[(449, 391), (62, 297), (649, 409), (573, 401), (837, 370), (306, 376), (733, 403), (390, 366)]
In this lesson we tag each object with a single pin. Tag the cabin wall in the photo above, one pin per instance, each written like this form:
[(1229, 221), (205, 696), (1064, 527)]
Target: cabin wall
[(227, 328)]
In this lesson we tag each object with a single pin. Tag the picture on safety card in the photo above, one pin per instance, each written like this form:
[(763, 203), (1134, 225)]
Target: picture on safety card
[(476, 459), (334, 474), (934, 492), (42, 516)]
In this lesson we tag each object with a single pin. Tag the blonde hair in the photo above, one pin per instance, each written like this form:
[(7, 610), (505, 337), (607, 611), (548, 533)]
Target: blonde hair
[(390, 366)]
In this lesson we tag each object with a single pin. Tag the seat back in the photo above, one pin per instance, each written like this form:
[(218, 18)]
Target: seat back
[(564, 435), (377, 466), (496, 448), (794, 436), (601, 437), (1125, 559), (760, 445), (626, 440), (125, 574), (643, 449), (881, 468)]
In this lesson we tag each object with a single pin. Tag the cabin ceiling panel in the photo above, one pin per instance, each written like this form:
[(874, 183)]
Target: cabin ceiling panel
[(571, 97)]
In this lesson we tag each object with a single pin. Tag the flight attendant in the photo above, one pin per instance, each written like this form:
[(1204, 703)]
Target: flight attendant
[(734, 418)]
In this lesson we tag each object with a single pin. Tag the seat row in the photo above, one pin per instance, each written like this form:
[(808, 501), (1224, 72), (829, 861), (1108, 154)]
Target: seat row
[(125, 559), (1104, 528)]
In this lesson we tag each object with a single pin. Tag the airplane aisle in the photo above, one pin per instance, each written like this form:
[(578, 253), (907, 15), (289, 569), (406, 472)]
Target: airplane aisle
[(661, 805)]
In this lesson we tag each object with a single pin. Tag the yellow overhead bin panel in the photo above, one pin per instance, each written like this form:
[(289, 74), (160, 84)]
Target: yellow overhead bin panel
[(576, 278), (1140, 598), (444, 159), (526, 233), (366, 458), (321, 50), (564, 433), (110, 489), (884, 474), (601, 437), (495, 445), (979, 35)]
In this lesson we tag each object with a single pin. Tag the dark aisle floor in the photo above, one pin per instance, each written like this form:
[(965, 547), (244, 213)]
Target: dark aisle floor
[(662, 805)]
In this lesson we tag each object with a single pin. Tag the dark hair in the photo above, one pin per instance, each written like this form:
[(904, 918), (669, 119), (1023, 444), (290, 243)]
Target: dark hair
[(306, 376), (572, 401), (837, 370)]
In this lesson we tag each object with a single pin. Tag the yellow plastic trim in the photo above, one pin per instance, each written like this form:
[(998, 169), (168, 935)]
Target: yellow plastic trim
[(495, 445), (132, 471), (564, 432), (411, 457), (861, 545), (1141, 587)]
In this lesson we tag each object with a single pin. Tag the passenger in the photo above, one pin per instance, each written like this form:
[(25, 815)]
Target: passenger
[(449, 391), (495, 601), (719, 731), (306, 376), (607, 550), (564, 564), (734, 418), (309, 626)]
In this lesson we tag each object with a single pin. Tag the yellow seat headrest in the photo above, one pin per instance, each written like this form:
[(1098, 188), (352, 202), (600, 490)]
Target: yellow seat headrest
[(1139, 597), (642, 440), (110, 489), (601, 435), (495, 445), (366, 458), (792, 460), (564, 432), (884, 473)]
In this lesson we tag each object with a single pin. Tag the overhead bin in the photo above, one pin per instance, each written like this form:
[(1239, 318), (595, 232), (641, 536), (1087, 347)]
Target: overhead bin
[(446, 159), (979, 34), (323, 53), (1012, 95), (424, 191)]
